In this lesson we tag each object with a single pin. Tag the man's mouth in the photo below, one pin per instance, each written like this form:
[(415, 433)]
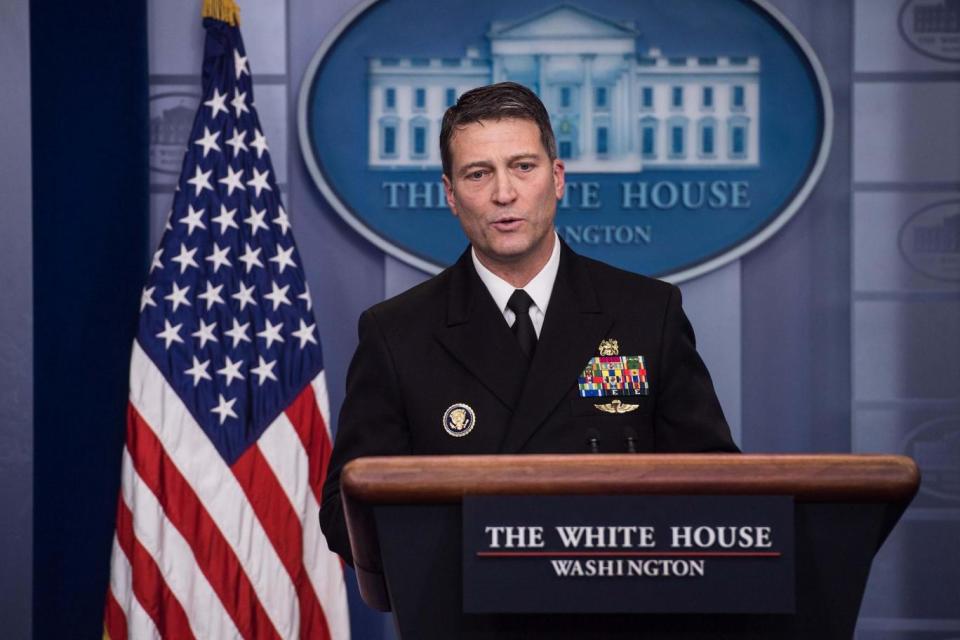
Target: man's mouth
[(507, 223)]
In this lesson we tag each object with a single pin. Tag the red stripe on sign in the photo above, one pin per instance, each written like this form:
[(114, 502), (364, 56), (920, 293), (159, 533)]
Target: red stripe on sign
[(213, 554), (149, 586), (114, 622), (305, 416), (629, 554), (283, 528)]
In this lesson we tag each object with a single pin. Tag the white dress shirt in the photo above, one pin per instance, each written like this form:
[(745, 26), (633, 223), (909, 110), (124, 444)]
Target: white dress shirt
[(539, 288)]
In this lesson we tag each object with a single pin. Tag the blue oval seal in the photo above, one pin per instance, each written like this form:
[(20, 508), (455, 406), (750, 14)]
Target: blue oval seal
[(929, 240), (932, 28), (171, 122), (691, 131), (935, 445)]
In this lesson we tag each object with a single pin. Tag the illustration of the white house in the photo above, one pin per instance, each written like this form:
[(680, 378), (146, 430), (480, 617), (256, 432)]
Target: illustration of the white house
[(613, 109)]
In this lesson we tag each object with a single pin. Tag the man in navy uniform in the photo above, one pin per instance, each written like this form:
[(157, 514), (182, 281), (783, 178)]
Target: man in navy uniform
[(522, 346)]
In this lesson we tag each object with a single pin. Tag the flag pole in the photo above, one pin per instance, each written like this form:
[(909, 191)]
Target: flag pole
[(223, 10)]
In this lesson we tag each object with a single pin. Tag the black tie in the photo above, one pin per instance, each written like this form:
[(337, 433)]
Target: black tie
[(520, 303)]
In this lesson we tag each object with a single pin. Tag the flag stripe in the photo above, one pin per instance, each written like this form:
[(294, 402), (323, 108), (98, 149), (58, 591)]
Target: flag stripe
[(162, 540), (114, 619), (281, 447), (217, 491), (283, 527), (322, 396), (137, 623), (305, 416), (283, 451), (211, 550), (149, 586), (115, 623), (326, 573)]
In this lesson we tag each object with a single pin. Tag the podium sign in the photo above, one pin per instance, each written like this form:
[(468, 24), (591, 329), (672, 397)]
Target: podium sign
[(628, 554)]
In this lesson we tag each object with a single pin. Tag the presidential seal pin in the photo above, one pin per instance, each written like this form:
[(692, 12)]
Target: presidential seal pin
[(459, 420)]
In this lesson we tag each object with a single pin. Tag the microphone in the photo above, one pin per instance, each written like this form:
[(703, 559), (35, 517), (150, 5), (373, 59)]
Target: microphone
[(631, 435), (593, 440)]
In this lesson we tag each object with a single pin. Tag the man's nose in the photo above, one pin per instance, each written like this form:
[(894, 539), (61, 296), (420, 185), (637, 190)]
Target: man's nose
[(504, 191)]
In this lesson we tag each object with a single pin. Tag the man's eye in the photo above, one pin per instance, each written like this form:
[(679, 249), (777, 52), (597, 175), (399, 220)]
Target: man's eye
[(476, 175), (525, 166)]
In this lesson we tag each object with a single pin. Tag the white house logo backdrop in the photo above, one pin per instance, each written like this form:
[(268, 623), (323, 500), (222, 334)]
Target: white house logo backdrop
[(691, 130)]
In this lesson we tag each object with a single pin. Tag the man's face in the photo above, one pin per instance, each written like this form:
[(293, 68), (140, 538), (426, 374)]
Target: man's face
[(504, 189)]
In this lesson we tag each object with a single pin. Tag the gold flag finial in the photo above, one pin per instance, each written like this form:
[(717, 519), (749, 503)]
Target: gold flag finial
[(223, 10)]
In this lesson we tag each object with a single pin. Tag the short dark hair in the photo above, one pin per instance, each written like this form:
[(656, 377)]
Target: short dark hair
[(495, 102)]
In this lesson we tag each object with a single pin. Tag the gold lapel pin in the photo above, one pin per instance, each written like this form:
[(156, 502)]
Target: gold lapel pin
[(616, 407)]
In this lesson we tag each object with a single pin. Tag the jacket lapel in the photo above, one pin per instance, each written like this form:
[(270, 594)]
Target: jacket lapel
[(572, 330), (478, 337)]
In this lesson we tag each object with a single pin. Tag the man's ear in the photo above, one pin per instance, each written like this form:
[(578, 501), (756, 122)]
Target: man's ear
[(559, 177), (451, 200)]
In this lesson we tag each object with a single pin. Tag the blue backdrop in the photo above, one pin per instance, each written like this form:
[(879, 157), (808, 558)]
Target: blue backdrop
[(89, 98)]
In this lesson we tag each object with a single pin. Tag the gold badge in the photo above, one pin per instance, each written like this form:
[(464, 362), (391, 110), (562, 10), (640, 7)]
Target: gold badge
[(609, 348), (459, 420), (616, 407)]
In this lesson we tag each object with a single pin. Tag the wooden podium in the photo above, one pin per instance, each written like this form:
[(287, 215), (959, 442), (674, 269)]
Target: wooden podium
[(404, 519)]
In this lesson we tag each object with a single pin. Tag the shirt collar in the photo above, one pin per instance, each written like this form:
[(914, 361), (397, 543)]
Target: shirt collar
[(539, 288)]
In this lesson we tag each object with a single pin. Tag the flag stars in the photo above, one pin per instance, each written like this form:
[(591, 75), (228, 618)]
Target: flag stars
[(170, 334), (198, 371), (155, 263), (282, 221), (146, 298), (284, 259), (264, 370), (200, 180), (219, 326), (255, 220), (185, 258), (212, 295), (244, 296), (231, 371), (193, 219), (239, 102), (205, 333), (278, 296), (238, 333), (217, 103), (178, 296), (233, 180), (224, 408), (208, 141), (271, 333), (240, 64), (259, 181), (305, 333), (305, 296), (251, 258), (237, 141), (225, 219), (218, 257), (259, 143)]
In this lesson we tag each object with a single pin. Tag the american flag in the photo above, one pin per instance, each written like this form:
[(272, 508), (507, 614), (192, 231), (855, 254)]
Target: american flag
[(227, 441)]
